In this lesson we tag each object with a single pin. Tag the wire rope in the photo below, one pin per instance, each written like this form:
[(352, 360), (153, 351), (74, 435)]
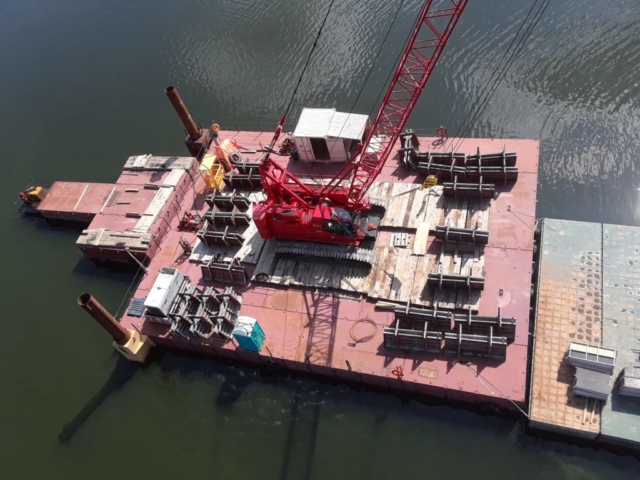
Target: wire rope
[(313, 48), (518, 49), (375, 60), (373, 64), (512, 59), (385, 85), (480, 377), (366, 338), (514, 55), (495, 70)]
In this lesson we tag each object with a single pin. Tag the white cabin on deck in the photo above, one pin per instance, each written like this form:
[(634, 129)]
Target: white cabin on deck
[(324, 135)]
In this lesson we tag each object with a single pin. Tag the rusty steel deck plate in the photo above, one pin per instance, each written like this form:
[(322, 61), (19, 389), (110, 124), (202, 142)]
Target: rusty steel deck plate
[(569, 308)]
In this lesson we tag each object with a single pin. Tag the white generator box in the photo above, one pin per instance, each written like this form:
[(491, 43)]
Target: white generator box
[(164, 291), (324, 135)]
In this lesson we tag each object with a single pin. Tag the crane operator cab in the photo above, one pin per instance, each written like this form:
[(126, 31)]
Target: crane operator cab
[(343, 224)]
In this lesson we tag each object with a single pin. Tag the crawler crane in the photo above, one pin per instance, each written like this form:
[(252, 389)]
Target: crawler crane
[(332, 219)]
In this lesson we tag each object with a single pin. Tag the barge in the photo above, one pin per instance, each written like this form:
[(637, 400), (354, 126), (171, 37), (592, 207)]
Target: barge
[(361, 252), (316, 313), (443, 310), (412, 322)]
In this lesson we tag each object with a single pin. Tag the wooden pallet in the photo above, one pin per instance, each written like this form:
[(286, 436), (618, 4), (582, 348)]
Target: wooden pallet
[(400, 240)]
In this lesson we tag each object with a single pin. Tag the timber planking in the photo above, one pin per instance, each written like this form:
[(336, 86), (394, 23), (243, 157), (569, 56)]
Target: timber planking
[(399, 272)]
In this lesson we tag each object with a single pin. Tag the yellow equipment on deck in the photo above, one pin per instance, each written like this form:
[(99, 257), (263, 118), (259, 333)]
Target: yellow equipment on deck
[(430, 181), (32, 196), (212, 172)]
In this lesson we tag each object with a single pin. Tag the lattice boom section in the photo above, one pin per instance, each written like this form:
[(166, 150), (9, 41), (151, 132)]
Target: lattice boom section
[(427, 40)]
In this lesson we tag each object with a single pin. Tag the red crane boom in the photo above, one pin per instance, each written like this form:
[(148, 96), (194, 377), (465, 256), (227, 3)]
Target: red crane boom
[(332, 213), (410, 78)]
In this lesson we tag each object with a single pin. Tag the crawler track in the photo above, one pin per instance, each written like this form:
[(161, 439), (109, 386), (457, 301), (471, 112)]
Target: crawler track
[(324, 250)]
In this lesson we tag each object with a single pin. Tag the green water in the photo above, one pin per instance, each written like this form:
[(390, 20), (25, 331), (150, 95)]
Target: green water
[(82, 89)]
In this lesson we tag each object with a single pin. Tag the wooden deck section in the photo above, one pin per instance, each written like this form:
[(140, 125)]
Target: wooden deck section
[(398, 273)]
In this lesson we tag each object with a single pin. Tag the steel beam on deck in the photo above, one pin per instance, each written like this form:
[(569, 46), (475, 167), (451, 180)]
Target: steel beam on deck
[(228, 200), (211, 236), (480, 189), (492, 173), (448, 171), (416, 340), (500, 166), (507, 159), (468, 235), (252, 179), (410, 143), (234, 217), (469, 345), (205, 313), (441, 280), (246, 167), (224, 272)]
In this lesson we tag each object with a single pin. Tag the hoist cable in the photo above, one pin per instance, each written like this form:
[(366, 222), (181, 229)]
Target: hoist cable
[(514, 55), (313, 48)]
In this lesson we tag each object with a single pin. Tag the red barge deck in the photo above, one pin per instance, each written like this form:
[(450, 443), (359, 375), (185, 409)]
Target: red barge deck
[(129, 218), (312, 328)]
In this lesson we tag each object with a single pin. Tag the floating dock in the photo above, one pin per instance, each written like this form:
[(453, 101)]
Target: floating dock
[(589, 291)]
